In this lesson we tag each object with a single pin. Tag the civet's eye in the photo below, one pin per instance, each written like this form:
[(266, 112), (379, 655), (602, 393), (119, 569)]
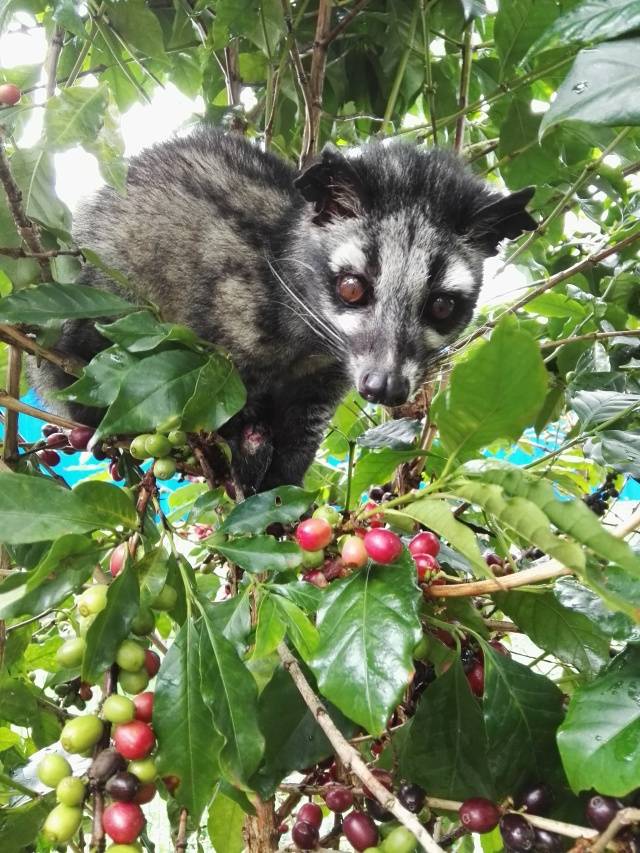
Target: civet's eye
[(442, 307), (352, 290)]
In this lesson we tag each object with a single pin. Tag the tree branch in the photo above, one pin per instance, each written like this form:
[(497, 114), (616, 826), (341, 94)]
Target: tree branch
[(69, 363), (623, 818), (350, 757), (181, 840), (591, 336), (344, 23), (17, 253), (316, 81), (300, 73), (51, 60), (465, 80), (10, 403), (14, 369)]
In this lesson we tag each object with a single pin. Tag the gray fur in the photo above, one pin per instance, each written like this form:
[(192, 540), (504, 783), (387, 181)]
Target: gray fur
[(232, 242)]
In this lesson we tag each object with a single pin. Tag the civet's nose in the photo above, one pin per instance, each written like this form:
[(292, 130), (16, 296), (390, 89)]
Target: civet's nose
[(390, 389)]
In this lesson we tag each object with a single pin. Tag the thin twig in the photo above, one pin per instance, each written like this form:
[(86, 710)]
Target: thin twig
[(623, 818), (14, 370), (301, 75), (51, 60), (181, 839), (17, 253), (344, 23), (350, 757), (69, 363), (316, 82), (465, 80), (591, 336), (9, 402)]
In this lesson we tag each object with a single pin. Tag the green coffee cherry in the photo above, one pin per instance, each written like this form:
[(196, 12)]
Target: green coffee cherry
[(61, 824), (158, 445), (165, 599), (124, 848), (177, 438), (70, 791), (313, 559), (85, 622), (92, 600), (400, 840), (329, 514), (134, 682), (130, 656), (81, 733), (53, 769), (138, 447), (71, 652), (118, 709), (144, 622), (164, 469), (145, 769)]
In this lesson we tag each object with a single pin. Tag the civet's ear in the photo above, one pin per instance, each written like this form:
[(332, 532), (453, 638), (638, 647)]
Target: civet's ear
[(332, 185), (504, 218)]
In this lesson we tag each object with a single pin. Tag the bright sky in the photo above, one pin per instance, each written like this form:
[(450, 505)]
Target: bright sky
[(77, 173)]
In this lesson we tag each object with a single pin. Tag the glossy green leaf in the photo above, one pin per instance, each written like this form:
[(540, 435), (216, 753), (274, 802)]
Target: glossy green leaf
[(17, 600), (592, 20), (261, 554), (599, 740), (580, 599), (152, 572), (188, 742), (231, 694), (522, 711), (374, 468), (100, 380), (270, 628), (69, 553), (138, 26), (398, 434), (224, 824), (300, 630), (217, 396), (141, 332), (518, 24), (17, 702), (368, 625), (33, 170), (284, 504), (484, 401), (568, 635), (74, 116), (112, 625), (596, 407), (595, 89), (112, 506), (19, 825), (45, 303), (445, 750)]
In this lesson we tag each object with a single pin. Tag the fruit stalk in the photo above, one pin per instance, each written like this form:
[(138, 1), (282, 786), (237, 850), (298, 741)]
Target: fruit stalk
[(623, 818), (97, 797), (181, 838), (350, 756)]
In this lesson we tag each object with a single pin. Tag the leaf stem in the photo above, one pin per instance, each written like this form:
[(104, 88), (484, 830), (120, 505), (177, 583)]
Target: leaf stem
[(5, 779)]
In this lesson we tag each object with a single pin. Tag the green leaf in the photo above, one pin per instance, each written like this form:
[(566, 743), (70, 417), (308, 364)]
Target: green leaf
[(224, 824), (36, 509), (580, 599), (595, 89), (17, 702), (261, 554), (495, 392), (46, 303), (69, 553), (270, 628), (615, 448), (100, 380), (301, 631), (398, 434), (518, 24), (138, 26), (369, 626), (591, 21), (599, 739), (229, 690), (112, 625), (19, 826), (305, 595), (152, 572), (141, 332), (187, 739), (375, 468), (218, 394), (438, 516), (284, 504), (74, 116), (445, 750), (522, 711), (571, 637), (17, 600), (596, 407), (33, 169)]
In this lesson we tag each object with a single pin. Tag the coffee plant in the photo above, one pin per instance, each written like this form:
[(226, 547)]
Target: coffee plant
[(436, 635)]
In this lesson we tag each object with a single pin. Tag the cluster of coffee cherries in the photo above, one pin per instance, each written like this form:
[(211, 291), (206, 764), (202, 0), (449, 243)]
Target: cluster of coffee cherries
[(57, 440), (598, 501), (365, 824), (167, 447)]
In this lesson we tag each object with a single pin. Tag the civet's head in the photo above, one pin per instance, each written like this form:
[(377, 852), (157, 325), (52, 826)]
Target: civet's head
[(400, 235)]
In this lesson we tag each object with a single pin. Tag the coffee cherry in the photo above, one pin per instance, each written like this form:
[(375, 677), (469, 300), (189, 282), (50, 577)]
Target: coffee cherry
[(118, 709), (134, 682), (383, 776), (124, 848), (48, 457), (479, 815), (144, 622), (517, 833), (79, 437), (157, 446), (383, 546), (171, 783), (373, 521), (426, 566), (164, 469), (61, 824), (316, 577), (57, 440), (536, 799), (70, 791), (425, 543), (177, 438), (475, 677), (492, 559), (130, 656), (400, 840), (312, 559), (412, 797), (339, 799), (117, 559), (98, 452), (353, 552), (600, 811), (123, 822), (145, 770), (81, 733), (92, 600), (310, 813), (329, 514), (71, 652), (377, 811), (305, 836), (497, 646), (151, 662), (165, 599), (134, 740), (547, 842), (123, 786), (144, 706), (360, 830), (145, 794), (313, 534), (53, 769), (114, 471), (105, 764), (138, 447), (10, 94)]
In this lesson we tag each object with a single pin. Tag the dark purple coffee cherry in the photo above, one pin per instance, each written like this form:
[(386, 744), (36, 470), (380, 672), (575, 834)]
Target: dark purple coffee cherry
[(123, 786), (517, 833), (377, 811), (339, 799), (412, 797), (360, 830), (536, 799), (479, 815), (547, 842), (305, 836), (600, 811)]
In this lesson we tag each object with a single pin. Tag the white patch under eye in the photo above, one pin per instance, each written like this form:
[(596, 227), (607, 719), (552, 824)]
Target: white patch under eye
[(348, 256), (348, 322), (434, 339), (458, 279)]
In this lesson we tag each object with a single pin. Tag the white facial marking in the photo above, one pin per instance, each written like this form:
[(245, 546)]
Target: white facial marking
[(458, 279), (434, 339), (347, 321), (348, 256)]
